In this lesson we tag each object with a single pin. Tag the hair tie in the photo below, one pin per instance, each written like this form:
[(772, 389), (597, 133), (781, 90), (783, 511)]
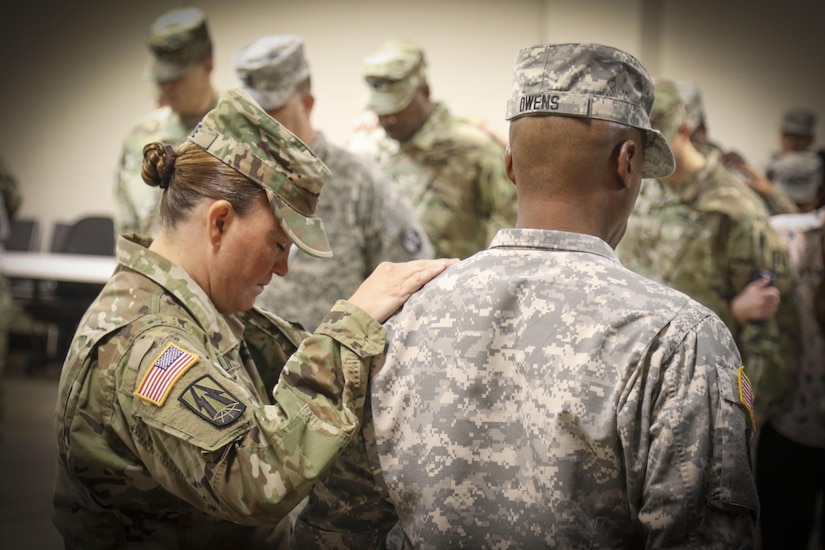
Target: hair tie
[(168, 166)]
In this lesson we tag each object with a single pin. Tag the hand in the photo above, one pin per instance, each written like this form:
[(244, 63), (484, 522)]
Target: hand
[(391, 284), (757, 302)]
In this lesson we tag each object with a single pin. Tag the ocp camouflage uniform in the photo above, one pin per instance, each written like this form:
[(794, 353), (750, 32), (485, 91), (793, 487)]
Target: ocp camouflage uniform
[(707, 236), (453, 173), (192, 461), (367, 222), (541, 395), (136, 203)]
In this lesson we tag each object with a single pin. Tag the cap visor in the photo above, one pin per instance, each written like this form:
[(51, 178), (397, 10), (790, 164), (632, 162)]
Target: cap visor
[(307, 232), (659, 161)]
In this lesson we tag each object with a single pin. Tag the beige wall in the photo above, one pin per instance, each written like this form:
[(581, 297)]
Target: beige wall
[(72, 82)]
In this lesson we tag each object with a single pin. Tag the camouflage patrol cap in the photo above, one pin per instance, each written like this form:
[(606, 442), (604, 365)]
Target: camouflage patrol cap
[(799, 122), (177, 40), (270, 69), (692, 99), (240, 134), (591, 81), (393, 72), (798, 174), (669, 111)]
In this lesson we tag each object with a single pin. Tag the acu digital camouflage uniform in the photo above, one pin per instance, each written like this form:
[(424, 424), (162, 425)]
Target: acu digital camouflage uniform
[(189, 461), (176, 40), (367, 221), (541, 395), (451, 171), (707, 235)]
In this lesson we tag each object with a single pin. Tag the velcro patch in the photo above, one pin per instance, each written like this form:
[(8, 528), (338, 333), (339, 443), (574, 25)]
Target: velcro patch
[(746, 395), (209, 400), (166, 369)]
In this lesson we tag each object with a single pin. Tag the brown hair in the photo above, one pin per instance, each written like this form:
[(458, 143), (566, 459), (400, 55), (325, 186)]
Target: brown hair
[(189, 175)]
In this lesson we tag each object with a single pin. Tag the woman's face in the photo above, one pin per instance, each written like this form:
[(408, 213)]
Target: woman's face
[(252, 248)]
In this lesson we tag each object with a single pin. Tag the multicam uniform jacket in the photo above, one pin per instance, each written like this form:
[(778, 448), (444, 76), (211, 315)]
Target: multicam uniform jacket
[(707, 236), (169, 434), (453, 173), (136, 203), (540, 395), (367, 221)]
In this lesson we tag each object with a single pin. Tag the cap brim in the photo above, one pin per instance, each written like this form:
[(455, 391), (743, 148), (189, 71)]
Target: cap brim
[(389, 103), (659, 161), (307, 232), (270, 100), (164, 72)]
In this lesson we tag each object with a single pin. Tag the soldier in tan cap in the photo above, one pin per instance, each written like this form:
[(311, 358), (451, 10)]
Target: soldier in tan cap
[(367, 220), (171, 430), (181, 66), (539, 394), (450, 169)]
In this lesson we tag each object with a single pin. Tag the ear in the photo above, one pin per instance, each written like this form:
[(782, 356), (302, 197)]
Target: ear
[(631, 159), (308, 101), (508, 164), (219, 217)]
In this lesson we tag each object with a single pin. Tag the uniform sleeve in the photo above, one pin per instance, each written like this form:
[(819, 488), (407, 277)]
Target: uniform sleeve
[(207, 438), (686, 432)]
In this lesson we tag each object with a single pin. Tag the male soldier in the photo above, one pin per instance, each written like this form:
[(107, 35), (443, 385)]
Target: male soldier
[(701, 231), (451, 170), (366, 219), (539, 394), (181, 67)]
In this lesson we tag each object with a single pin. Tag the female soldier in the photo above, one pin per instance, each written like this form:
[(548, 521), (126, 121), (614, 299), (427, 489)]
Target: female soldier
[(169, 431)]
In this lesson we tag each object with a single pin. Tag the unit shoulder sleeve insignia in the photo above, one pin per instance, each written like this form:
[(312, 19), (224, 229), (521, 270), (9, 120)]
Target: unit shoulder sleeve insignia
[(212, 402)]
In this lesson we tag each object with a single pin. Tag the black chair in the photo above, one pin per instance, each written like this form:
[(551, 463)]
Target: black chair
[(24, 235), (61, 304)]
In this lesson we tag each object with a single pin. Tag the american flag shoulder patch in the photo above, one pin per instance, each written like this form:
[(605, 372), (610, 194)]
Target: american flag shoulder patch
[(166, 369), (746, 395)]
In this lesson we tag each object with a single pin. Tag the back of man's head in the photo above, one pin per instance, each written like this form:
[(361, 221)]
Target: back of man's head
[(589, 81), (272, 68), (177, 40)]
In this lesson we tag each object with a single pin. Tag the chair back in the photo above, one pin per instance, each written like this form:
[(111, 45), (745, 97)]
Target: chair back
[(91, 235), (24, 235)]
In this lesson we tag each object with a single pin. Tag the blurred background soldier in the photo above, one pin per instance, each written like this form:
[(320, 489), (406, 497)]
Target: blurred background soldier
[(702, 232), (450, 169), (181, 67)]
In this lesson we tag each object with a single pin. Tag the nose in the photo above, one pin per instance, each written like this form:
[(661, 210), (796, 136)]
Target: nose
[(387, 119), (281, 267)]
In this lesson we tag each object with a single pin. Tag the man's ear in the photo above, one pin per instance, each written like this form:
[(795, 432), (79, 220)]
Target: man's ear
[(220, 216), (630, 161), (308, 101), (508, 164)]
